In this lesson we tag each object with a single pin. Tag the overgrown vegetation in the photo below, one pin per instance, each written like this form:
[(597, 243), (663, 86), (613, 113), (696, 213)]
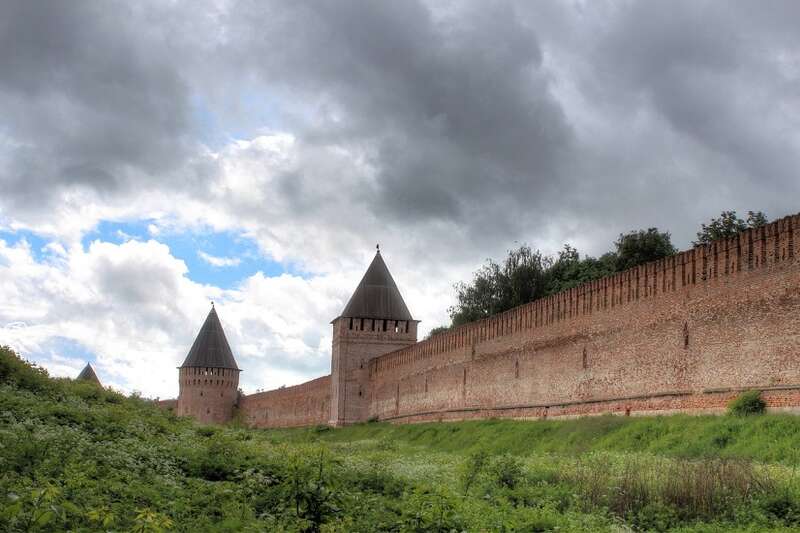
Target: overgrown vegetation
[(75, 457), (747, 403), (527, 274), (728, 225)]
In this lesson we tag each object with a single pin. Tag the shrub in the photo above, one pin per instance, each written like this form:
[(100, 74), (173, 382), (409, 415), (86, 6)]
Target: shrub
[(206, 431), (656, 516), (430, 512), (506, 471), (781, 506), (13, 369), (747, 403), (472, 467)]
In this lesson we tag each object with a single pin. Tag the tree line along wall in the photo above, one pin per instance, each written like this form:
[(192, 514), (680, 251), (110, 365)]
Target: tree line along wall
[(306, 404), (682, 333)]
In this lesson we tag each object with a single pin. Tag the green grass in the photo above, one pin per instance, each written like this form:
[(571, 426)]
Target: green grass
[(75, 457), (771, 438)]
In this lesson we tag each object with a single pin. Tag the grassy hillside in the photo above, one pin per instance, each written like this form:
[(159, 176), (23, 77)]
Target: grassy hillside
[(76, 457), (773, 438)]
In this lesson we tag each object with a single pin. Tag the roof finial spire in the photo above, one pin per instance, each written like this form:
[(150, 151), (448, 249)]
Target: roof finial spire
[(212, 304), (378, 248)]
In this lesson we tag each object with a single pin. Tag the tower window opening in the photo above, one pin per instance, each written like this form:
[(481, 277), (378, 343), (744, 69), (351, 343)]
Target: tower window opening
[(201, 393), (362, 325), (351, 323), (384, 325)]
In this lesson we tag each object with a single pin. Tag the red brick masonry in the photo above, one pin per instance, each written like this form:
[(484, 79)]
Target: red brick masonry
[(686, 333), (307, 404)]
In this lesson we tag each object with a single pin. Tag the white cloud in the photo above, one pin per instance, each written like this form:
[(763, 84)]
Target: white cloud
[(219, 262), (133, 307)]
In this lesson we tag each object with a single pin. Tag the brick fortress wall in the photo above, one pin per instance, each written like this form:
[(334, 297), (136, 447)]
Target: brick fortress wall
[(686, 333), (307, 404), (683, 333)]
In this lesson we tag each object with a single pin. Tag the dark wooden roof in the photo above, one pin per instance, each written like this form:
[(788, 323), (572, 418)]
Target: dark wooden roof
[(377, 296), (87, 374), (211, 348)]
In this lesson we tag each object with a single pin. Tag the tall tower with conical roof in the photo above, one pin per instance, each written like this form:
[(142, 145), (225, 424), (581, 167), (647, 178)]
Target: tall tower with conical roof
[(375, 321), (209, 377)]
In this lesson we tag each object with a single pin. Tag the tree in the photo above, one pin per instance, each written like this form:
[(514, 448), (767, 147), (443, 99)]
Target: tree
[(642, 246), (728, 225), (436, 331), (526, 275), (496, 288), (569, 270)]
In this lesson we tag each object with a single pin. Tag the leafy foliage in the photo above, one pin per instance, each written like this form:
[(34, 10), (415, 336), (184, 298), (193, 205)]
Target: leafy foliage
[(76, 457), (521, 277), (728, 225), (472, 468), (437, 330), (746, 404), (643, 246), (569, 270), (526, 275)]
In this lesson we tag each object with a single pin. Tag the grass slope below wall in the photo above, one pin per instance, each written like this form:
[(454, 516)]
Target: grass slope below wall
[(773, 438)]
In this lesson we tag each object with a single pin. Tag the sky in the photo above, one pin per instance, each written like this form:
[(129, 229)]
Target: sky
[(156, 156)]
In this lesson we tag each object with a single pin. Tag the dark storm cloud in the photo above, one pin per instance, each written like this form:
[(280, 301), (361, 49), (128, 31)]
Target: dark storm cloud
[(481, 122), (455, 108), (89, 96), (694, 73), (691, 108)]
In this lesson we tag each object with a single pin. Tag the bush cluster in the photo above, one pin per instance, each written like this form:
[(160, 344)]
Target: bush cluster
[(748, 403)]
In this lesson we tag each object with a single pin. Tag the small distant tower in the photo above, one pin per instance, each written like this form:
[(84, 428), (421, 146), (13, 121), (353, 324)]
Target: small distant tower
[(209, 377), (87, 374), (374, 322)]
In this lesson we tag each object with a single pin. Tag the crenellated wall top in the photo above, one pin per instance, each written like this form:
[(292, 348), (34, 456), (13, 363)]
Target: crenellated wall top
[(752, 249)]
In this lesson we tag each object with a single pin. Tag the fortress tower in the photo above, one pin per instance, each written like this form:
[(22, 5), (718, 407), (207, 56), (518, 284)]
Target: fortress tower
[(88, 374), (374, 322), (209, 377)]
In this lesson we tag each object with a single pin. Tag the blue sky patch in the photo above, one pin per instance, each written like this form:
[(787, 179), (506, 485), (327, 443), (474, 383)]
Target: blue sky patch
[(222, 259), (36, 242), (69, 348)]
